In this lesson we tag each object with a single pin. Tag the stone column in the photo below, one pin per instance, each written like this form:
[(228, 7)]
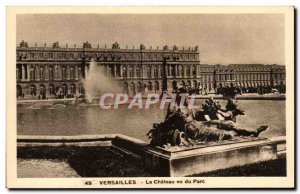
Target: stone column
[(121, 71), (46, 73), (55, 72), (47, 89), (143, 71), (106, 69), (23, 73), (127, 71), (17, 73), (115, 70), (59, 72), (152, 71), (159, 71), (180, 70), (134, 71), (76, 73), (28, 72), (188, 71), (184, 71), (86, 70), (68, 72), (37, 71), (37, 86)]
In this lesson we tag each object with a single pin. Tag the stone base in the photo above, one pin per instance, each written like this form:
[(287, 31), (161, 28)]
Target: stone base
[(205, 158)]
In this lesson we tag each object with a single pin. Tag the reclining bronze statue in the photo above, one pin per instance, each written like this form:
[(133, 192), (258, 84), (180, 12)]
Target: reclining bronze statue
[(183, 126)]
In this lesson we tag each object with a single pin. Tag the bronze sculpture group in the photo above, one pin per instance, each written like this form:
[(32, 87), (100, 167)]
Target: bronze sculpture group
[(183, 126)]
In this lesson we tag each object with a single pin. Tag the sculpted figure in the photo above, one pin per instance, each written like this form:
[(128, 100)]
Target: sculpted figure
[(212, 124)]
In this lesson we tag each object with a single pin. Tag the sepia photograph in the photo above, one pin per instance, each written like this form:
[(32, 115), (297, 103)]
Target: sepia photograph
[(133, 97)]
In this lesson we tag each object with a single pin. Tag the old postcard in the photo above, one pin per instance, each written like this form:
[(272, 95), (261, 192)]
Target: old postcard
[(150, 97)]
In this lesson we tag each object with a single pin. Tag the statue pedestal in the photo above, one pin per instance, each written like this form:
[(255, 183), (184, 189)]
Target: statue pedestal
[(184, 161)]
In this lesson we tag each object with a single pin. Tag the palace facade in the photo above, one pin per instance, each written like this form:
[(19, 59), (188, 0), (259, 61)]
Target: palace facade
[(49, 71)]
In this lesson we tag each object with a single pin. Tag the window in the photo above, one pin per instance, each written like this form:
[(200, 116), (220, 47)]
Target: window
[(31, 55), (138, 73), (63, 73), (124, 72), (188, 71), (72, 73), (41, 55), (131, 72), (42, 75), (162, 71), (51, 73), (194, 72), (150, 86), (148, 72), (109, 71), (19, 71), (50, 55), (51, 89), (72, 56), (155, 71), (172, 68), (32, 74)]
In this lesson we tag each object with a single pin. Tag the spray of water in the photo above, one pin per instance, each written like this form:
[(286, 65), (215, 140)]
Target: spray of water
[(97, 82)]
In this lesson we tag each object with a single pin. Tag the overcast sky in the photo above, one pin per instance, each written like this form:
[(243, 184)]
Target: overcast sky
[(223, 39)]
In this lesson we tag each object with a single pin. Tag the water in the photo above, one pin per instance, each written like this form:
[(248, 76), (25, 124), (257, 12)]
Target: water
[(74, 119), (97, 82)]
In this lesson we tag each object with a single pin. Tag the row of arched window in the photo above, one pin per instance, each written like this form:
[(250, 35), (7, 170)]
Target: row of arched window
[(152, 71), (56, 72), (53, 89)]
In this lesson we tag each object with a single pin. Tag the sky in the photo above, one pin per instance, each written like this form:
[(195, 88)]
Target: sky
[(221, 38)]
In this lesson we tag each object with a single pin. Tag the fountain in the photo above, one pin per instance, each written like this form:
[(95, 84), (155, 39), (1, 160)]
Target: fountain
[(191, 142), (97, 82)]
